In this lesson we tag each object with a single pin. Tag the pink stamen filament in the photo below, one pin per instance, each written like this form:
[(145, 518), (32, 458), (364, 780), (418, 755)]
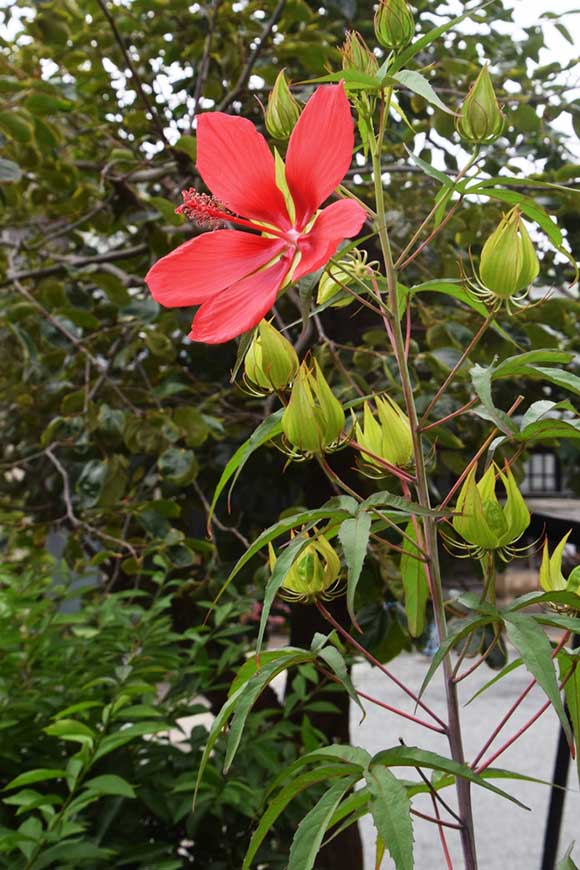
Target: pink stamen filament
[(204, 210)]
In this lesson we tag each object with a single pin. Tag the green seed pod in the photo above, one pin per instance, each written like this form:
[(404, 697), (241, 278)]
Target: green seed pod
[(314, 418), (481, 520), (312, 574), (551, 577), (283, 109), (389, 437), (356, 55), (508, 262), (394, 24), (271, 362), (481, 119)]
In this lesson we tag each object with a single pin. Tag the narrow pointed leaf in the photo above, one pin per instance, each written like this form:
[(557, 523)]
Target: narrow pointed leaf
[(333, 658), (414, 584), (311, 830), (412, 756), (534, 648), (391, 811), (354, 537)]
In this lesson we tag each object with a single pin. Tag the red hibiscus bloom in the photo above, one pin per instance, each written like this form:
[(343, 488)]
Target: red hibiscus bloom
[(235, 276)]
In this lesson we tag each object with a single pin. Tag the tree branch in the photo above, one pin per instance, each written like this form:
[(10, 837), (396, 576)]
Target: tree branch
[(254, 54)]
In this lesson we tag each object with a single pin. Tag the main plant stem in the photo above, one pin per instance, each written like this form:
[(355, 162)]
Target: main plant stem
[(430, 533)]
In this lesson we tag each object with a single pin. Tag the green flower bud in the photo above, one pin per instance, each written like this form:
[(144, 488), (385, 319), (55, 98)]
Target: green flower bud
[(388, 437), (508, 261), (551, 577), (356, 55), (312, 574), (394, 24), (271, 362), (283, 109), (481, 119), (347, 272), (481, 520), (313, 419)]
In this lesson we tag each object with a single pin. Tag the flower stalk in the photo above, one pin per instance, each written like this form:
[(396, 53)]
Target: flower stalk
[(430, 533)]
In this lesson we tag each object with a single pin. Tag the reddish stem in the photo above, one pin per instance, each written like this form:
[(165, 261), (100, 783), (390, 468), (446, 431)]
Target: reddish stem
[(524, 728), (439, 822), (364, 652), (513, 709), (442, 837), (479, 453), (453, 414), (384, 706)]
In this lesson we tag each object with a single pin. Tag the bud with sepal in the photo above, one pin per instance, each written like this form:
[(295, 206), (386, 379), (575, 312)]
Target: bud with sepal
[(283, 109), (386, 436), (314, 419), (356, 55), (314, 574), (484, 523), (480, 120), (508, 263), (351, 270), (271, 363), (394, 24), (551, 577)]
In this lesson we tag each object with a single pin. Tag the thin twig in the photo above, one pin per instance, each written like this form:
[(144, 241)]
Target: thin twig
[(149, 107), (364, 652), (479, 453), (254, 54), (456, 367), (524, 727), (514, 707)]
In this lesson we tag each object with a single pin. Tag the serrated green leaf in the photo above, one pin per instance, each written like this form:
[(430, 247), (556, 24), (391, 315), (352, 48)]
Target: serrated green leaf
[(391, 811), (249, 692), (464, 627), (534, 648), (572, 694), (334, 659), (412, 756), (278, 804), (311, 830), (354, 537), (414, 583)]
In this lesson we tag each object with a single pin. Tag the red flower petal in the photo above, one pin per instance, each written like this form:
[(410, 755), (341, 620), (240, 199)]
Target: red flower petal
[(320, 150), (336, 222), (236, 164), (202, 267), (240, 307)]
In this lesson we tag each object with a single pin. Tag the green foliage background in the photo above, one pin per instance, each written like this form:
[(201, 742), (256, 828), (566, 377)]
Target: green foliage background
[(114, 429)]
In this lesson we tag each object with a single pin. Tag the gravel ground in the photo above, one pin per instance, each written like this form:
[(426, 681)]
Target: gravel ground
[(507, 836)]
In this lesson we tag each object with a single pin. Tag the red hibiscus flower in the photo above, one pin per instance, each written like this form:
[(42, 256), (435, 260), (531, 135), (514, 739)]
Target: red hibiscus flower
[(236, 276)]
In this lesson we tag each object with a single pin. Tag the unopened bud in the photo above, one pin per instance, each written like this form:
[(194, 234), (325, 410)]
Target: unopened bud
[(481, 119), (481, 520), (551, 577), (271, 362), (313, 573), (508, 261), (387, 436), (356, 55), (283, 109), (313, 419), (394, 24), (349, 271)]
